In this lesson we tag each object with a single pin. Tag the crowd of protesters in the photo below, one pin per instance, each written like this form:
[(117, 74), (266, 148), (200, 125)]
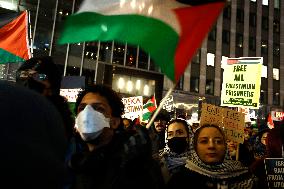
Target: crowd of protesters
[(43, 146)]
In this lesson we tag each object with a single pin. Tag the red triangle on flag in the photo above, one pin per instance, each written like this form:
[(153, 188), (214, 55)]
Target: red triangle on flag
[(14, 40)]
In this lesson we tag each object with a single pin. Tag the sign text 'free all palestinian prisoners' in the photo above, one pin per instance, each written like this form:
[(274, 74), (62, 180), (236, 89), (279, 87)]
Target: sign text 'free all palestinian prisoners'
[(241, 82)]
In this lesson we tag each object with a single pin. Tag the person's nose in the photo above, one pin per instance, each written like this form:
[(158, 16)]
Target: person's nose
[(211, 143)]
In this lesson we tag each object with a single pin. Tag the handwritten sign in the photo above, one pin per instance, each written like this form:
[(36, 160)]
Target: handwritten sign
[(241, 82), (70, 94), (232, 121), (133, 107), (211, 114), (169, 104), (275, 172)]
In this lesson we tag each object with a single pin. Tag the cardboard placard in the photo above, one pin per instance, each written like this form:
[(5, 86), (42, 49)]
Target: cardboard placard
[(231, 121)]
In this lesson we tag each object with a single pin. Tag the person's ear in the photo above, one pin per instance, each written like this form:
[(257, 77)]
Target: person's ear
[(114, 122)]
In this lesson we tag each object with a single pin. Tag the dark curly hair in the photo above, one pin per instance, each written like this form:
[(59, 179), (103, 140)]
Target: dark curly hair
[(112, 97)]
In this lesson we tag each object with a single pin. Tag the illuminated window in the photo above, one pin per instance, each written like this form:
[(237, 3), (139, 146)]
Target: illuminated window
[(276, 73), (8, 5), (276, 4), (210, 59), (224, 61), (264, 71), (265, 2)]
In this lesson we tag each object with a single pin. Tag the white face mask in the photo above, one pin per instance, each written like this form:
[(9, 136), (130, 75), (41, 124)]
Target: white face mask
[(90, 123)]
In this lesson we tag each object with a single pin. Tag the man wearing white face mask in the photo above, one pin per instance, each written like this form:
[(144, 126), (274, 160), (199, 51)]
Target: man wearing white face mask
[(112, 157), (90, 123)]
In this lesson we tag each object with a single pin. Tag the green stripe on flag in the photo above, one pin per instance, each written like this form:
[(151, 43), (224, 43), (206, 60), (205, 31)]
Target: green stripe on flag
[(7, 57), (146, 116), (152, 35), (148, 105)]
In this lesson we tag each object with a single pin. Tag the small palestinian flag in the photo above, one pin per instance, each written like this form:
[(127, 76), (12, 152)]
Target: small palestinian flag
[(14, 46), (148, 109)]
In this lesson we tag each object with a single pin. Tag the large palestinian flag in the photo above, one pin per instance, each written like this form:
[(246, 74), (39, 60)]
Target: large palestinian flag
[(14, 46), (170, 31)]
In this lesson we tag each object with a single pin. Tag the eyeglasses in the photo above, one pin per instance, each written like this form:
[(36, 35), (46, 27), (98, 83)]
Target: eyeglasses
[(25, 74)]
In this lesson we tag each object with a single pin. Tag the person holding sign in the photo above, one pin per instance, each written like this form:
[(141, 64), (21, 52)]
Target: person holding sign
[(206, 166)]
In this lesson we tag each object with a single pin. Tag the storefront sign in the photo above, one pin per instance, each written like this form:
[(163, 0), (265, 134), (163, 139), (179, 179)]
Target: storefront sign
[(241, 82), (274, 172), (232, 121), (277, 116), (133, 107)]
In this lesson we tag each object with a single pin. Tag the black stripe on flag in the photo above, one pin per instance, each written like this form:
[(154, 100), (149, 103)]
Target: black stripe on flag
[(7, 16)]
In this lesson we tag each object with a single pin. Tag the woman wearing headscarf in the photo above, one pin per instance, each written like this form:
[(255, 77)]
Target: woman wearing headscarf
[(177, 149), (207, 167)]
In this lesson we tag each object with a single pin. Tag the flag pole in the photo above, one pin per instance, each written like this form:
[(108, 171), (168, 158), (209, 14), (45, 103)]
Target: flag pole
[(160, 107), (34, 32), (53, 28), (68, 46)]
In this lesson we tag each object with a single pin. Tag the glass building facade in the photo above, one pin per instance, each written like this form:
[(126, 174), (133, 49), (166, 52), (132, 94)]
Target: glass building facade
[(246, 28)]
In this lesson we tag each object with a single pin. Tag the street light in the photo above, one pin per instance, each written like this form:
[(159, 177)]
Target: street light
[(146, 90), (138, 84), (129, 86), (120, 83)]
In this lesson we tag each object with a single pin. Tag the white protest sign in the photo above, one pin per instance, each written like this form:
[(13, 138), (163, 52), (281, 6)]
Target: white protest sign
[(133, 107), (241, 82), (70, 94), (169, 104)]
